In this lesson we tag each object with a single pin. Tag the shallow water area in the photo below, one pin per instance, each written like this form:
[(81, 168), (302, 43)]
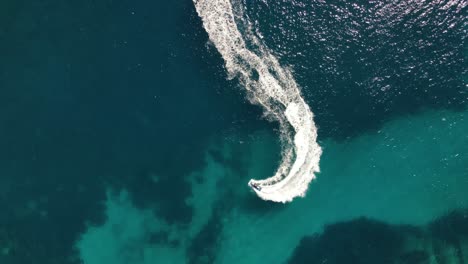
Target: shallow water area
[(129, 132)]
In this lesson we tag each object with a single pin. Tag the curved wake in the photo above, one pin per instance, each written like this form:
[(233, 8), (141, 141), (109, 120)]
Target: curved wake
[(275, 90)]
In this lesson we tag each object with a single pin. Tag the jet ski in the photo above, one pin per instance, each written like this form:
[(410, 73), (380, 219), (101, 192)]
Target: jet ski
[(255, 186)]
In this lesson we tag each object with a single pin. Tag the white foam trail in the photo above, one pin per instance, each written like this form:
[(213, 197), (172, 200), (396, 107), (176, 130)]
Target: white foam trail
[(275, 90)]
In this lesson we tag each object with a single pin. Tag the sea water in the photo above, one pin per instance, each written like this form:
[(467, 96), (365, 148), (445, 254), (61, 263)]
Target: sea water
[(129, 132)]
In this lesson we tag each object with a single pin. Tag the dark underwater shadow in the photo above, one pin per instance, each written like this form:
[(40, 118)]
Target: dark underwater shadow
[(367, 241)]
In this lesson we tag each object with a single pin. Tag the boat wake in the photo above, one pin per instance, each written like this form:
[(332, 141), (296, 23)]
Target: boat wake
[(272, 87)]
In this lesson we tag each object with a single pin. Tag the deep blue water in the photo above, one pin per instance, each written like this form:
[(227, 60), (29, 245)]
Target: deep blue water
[(123, 141)]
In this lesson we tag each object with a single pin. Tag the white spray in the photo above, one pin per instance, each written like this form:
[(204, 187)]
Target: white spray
[(274, 88)]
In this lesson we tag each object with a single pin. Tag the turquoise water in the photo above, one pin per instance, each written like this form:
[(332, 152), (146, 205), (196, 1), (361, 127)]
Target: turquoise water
[(124, 140)]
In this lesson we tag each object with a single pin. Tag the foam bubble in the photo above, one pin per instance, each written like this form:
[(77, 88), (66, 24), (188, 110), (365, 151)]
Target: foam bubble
[(275, 90)]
